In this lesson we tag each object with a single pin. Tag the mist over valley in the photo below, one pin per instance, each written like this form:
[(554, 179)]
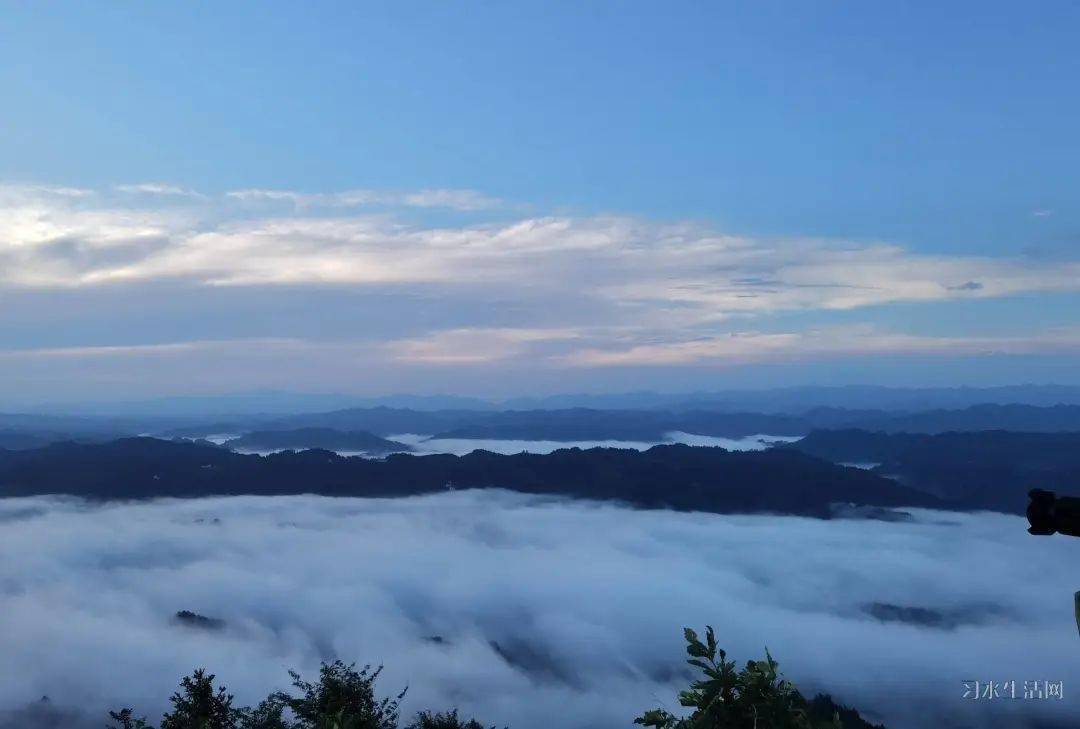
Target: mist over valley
[(506, 604)]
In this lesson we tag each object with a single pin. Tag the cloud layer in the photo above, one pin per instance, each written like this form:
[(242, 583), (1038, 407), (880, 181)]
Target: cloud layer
[(69, 237), (585, 602), (470, 281)]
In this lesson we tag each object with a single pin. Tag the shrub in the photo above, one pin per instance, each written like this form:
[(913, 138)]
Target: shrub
[(449, 720), (757, 697)]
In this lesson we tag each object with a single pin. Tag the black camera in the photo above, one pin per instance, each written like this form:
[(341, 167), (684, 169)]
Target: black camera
[(1049, 513)]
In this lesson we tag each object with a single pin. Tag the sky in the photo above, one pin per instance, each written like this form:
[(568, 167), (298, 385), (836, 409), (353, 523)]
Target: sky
[(500, 199), (600, 638)]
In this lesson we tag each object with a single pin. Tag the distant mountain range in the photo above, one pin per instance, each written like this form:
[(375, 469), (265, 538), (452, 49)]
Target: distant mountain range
[(791, 401), (652, 425), (677, 477), (578, 424), (266, 403), (797, 400)]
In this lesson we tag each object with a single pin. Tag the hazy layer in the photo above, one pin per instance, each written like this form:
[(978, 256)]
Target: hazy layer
[(588, 600), (425, 444), (462, 446)]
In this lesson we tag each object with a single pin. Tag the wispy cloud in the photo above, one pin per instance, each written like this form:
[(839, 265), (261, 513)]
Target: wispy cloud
[(742, 347), (141, 350), (454, 199), (462, 200), (159, 188), (269, 361), (967, 286), (619, 259), (558, 291), (481, 345), (9, 192)]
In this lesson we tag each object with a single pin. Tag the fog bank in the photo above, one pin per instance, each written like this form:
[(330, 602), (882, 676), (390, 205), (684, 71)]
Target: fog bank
[(585, 602)]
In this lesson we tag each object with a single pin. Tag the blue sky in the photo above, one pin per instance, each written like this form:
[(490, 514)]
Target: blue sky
[(547, 192)]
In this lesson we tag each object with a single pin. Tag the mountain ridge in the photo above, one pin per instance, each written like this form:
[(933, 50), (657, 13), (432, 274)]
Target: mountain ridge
[(675, 476)]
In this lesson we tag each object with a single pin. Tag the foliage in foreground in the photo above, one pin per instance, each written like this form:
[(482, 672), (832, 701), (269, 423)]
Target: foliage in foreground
[(342, 698), (757, 697)]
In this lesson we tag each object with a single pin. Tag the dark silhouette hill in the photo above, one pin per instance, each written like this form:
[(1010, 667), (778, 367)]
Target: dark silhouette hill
[(991, 469), (677, 477)]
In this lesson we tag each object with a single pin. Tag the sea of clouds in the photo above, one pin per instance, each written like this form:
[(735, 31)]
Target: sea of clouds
[(547, 611)]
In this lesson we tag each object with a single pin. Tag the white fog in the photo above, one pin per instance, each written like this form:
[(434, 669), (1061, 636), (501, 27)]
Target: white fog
[(586, 602)]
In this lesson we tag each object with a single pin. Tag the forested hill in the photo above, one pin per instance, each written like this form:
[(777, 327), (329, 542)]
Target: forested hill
[(680, 477), (979, 470), (327, 438)]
